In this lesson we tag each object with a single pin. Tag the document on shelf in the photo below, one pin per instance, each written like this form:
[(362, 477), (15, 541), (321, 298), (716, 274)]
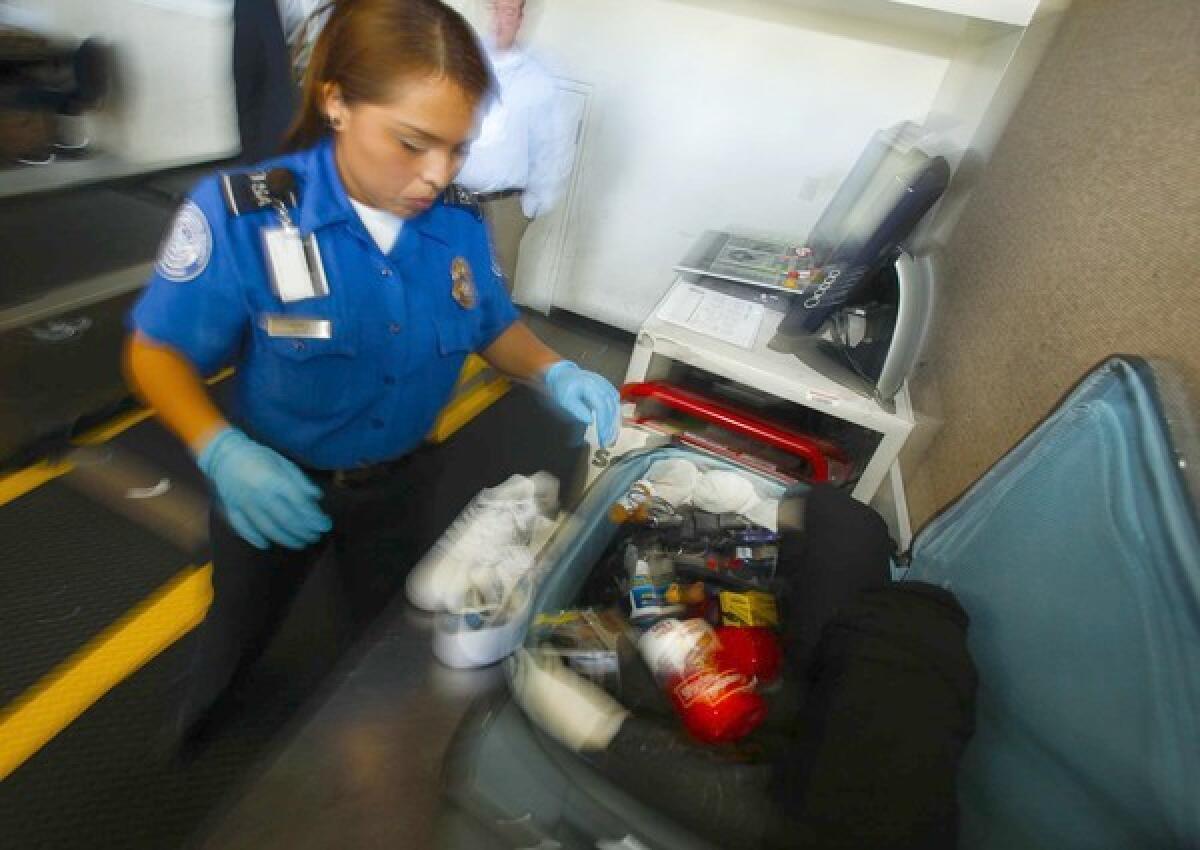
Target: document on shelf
[(714, 314)]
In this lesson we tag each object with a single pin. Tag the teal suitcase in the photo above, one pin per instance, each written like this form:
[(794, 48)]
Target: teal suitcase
[(1077, 557)]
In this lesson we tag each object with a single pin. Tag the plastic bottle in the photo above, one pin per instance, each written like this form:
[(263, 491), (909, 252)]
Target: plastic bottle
[(634, 506), (650, 576), (717, 703), (753, 651)]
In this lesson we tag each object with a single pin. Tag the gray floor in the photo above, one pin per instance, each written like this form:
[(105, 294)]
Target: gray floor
[(592, 345), (363, 771)]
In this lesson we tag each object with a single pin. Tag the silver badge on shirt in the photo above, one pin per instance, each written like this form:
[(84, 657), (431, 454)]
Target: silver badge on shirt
[(297, 327)]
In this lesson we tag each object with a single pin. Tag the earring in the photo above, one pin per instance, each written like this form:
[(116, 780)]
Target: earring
[(334, 122)]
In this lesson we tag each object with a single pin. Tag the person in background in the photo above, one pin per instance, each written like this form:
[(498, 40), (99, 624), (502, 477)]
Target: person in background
[(262, 79), (346, 282), (302, 22), (271, 46), (519, 164)]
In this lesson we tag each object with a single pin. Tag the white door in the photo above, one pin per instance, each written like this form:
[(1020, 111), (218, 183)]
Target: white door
[(548, 244)]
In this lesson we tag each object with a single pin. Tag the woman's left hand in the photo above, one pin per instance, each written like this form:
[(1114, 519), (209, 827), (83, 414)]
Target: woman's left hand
[(587, 397)]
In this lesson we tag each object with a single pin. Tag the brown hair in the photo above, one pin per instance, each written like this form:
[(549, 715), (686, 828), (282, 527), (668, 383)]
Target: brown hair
[(366, 46)]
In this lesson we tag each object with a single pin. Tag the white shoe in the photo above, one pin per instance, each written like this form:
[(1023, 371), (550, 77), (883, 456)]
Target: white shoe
[(545, 493), (501, 516), (491, 582), (674, 480), (724, 491), (477, 639)]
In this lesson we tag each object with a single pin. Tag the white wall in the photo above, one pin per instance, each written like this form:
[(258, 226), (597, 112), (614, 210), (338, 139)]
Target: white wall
[(173, 98), (737, 114), (985, 82)]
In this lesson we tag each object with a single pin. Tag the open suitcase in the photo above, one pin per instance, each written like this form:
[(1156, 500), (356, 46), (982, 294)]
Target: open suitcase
[(1077, 557)]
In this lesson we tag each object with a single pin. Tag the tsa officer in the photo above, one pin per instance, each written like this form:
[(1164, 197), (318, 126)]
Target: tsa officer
[(347, 282)]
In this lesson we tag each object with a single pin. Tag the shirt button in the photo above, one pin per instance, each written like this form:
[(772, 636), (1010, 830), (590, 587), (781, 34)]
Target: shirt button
[(389, 380), (394, 327), (376, 423), (298, 344), (386, 272)]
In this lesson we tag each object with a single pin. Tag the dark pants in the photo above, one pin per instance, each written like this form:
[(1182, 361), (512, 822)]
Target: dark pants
[(380, 529), (262, 78)]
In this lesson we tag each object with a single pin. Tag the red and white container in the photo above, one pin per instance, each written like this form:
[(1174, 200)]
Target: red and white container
[(717, 703)]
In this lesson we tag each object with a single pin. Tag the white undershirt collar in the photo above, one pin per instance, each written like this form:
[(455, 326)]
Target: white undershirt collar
[(383, 226)]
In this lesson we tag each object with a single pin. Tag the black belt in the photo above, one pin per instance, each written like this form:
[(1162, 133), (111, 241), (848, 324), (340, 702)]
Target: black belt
[(361, 476), (499, 195)]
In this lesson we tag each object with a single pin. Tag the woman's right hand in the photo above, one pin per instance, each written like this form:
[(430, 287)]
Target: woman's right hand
[(265, 497), (587, 397)]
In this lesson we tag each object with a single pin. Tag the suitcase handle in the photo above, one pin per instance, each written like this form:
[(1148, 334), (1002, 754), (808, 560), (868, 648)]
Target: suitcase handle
[(815, 452)]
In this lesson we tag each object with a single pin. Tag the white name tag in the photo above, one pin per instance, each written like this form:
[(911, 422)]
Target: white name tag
[(291, 262), (298, 327)]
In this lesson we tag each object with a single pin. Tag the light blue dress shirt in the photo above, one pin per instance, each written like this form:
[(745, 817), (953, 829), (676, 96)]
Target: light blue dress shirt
[(525, 140)]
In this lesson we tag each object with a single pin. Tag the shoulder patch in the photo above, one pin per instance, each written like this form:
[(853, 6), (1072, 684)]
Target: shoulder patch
[(185, 252)]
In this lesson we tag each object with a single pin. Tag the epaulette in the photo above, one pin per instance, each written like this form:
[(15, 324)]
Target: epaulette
[(251, 191), (457, 196)]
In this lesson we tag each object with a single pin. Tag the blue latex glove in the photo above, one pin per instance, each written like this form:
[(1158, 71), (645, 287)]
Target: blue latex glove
[(265, 497), (587, 397)]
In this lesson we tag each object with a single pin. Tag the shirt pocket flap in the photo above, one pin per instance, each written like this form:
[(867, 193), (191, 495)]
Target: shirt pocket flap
[(457, 335)]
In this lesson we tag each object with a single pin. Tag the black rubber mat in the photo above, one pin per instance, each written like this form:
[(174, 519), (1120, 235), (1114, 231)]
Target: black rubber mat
[(107, 781), (71, 568), (52, 240), (160, 450), (55, 372), (173, 186)]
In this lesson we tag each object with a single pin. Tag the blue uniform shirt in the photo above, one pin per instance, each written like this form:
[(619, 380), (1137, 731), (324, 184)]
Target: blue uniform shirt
[(371, 391)]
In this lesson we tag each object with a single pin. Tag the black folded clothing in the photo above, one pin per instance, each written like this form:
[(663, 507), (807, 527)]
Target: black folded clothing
[(889, 712), (841, 549)]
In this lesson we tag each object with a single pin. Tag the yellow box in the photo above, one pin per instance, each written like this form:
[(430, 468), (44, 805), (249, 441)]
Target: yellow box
[(749, 608)]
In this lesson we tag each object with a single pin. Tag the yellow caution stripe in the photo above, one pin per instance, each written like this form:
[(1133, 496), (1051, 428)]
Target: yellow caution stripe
[(52, 704), (477, 389), (466, 407), (121, 424), (17, 484)]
